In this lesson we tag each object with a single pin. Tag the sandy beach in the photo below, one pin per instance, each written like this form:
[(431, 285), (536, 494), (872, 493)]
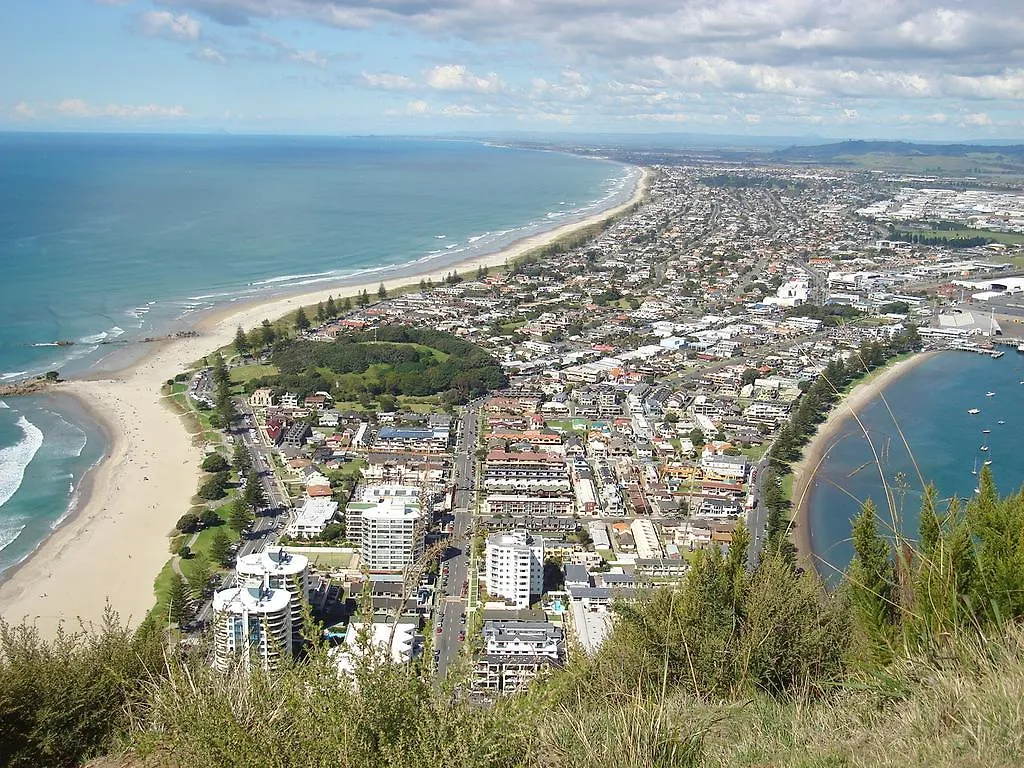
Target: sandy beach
[(114, 545), (817, 450)]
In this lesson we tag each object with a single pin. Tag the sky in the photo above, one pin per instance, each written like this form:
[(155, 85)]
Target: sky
[(901, 69)]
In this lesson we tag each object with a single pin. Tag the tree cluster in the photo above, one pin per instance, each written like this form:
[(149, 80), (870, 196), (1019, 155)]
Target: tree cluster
[(399, 367)]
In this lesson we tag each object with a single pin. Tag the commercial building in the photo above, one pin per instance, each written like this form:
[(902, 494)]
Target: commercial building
[(391, 535), (521, 505), (275, 568), (516, 652), (369, 497), (312, 518), (522, 472), (515, 567), (251, 625)]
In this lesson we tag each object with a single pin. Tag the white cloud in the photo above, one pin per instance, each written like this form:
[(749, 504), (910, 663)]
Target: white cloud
[(456, 77), (169, 25), (693, 60), (210, 55), (417, 107), (978, 119), (389, 82), (80, 108), (285, 52)]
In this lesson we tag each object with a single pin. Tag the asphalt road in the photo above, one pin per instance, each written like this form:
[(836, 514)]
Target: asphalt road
[(452, 604), (268, 526)]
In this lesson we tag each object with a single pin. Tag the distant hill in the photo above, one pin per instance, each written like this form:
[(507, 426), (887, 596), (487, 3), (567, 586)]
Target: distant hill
[(910, 156), (899, 148)]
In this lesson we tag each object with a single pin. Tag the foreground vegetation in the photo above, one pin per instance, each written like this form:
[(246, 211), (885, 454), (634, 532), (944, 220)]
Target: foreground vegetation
[(918, 658)]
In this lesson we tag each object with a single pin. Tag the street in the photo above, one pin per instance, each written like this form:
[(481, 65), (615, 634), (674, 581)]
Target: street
[(452, 603)]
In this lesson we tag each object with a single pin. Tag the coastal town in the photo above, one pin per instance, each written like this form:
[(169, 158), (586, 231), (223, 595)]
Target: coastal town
[(647, 370)]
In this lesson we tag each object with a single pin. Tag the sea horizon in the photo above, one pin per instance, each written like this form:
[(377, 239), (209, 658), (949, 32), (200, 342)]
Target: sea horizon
[(447, 235)]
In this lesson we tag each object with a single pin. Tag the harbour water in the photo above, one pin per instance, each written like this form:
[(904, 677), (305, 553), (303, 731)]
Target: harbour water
[(106, 239), (930, 404)]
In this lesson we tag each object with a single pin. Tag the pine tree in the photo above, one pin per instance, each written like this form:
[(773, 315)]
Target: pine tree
[(255, 497), (481, 272), (347, 304), (871, 576), (178, 609), (928, 529), (321, 313), (268, 333), (240, 461), (240, 516), (382, 292), (220, 549), (331, 310), (301, 321), (241, 341), (201, 574)]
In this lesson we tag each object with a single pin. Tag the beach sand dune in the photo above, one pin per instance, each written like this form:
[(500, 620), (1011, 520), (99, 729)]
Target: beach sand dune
[(111, 550)]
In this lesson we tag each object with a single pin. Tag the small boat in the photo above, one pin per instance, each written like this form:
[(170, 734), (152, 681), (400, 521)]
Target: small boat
[(983, 448), (974, 411), (986, 431), (987, 462), (975, 470), (1001, 421), (990, 394), (1020, 347)]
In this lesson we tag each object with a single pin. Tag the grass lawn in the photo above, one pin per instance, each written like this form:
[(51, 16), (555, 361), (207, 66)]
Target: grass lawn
[(787, 486), (754, 452), (330, 560), (428, 404), (246, 373)]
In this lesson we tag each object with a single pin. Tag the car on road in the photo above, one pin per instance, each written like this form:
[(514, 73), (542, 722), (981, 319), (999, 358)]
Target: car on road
[(462, 635), (440, 629)]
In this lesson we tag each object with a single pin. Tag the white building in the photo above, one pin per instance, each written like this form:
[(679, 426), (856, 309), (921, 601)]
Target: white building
[(646, 539), (251, 625), (391, 535), (275, 568), (515, 567), (377, 636), (312, 518), (369, 497), (515, 652)]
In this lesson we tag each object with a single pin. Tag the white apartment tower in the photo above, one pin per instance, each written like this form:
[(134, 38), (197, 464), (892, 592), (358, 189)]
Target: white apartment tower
[(275, 568), (515, 567), (391, 535), (251, 625)]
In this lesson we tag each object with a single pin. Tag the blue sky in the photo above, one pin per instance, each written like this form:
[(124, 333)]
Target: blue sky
[(835, 68)]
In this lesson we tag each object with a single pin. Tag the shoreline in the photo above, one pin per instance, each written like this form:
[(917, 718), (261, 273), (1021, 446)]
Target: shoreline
[(805, 469), (150, 469)]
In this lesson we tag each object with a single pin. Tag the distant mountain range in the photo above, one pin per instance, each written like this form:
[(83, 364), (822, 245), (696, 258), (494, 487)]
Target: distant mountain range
[(846, 149)]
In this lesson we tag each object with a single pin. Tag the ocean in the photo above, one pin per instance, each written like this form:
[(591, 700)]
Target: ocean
[(107, 239), (930, 404)]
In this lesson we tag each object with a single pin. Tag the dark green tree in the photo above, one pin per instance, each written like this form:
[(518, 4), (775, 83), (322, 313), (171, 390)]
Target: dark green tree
[(301, 321), (240, 515), (188, 523), (382, 292), (268, 333), (331, 309), (215, 463), (240, 460), (178, 607), (254, 496), (241, 341), (871, 577), (220, 549)]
